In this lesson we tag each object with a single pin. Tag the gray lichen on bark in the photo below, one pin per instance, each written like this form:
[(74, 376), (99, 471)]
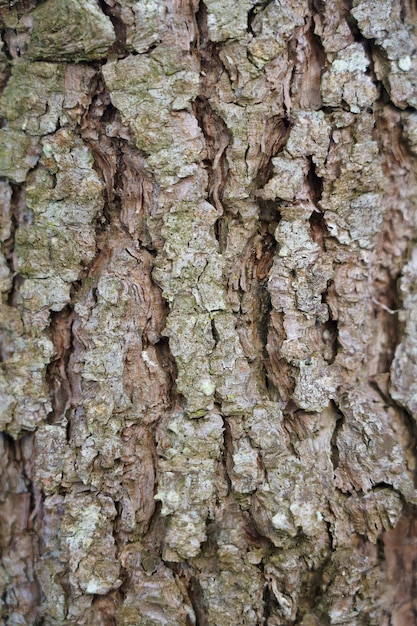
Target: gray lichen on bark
[(207, 371)]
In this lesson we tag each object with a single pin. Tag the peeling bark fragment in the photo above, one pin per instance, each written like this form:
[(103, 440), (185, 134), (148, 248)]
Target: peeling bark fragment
[(233, 598), (155, 594), (293, 499), (273, 26), (369, 450), (234, 594), (352, 573), (153, 94), (194, 264), (236, 385), (227, 20), (331, 25), (40, 96), (186, 482), (50, 446), (49, 248), (288, 180), (22, 378), (309, 137), (100, 364), (33, 97), (245, 468), (410, 129), (18, 154), (4, 69), (144, 23), (88, 544), (64, 207), (404, 366), (148, 23), (69, 30), (346, 80), (358, 185), (6, 282), (379, 510), (395, 52), (192, 342), (316, 385)]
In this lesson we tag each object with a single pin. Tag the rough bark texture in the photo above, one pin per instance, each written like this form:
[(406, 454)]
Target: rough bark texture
[(208, 345)]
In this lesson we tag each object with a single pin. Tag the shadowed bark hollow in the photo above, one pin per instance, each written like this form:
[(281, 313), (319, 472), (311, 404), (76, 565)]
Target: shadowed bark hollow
[(208, 336)]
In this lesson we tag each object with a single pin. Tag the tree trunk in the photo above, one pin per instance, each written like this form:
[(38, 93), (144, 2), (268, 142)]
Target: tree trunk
[(208, 345)]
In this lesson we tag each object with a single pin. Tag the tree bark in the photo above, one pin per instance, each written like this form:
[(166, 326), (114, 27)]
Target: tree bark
[(208, 343)]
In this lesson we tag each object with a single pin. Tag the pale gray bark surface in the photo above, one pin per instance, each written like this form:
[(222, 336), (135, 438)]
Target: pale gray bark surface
[(208, 322)]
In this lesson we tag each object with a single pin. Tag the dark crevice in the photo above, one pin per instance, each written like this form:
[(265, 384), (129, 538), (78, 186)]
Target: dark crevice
[(330, 328), (408, 12), (20, 216), (330, 110), (315, 184), (192, 591), (128, 183), (397, 554), (317, 7), (269, 212), (60, 332), (309, 61), (6, 44), (217, 232), (13, 297), (411, 425), (213, 127), (7, 70), (370, 71), (380, 549), (317, 50), (113, 12), (254, 323), (14, 43), (208, 54), (36, 497), (255, 537), (226, 457), (253, 12), (383, 485), (264, 326), (392, 254), (217, 140), (215, 334), (221, 230), (274, 137), (373, 51), (280, 373), (351, 22), (340, 420), (22, 6), (264, 251), (315, 587), (169, 366), (386, 311), (129, 199), (330, 340), (196, 596), (271, 607), (318, 229)]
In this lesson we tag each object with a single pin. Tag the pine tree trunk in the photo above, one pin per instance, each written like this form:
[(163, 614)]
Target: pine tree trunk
[(208, 346)]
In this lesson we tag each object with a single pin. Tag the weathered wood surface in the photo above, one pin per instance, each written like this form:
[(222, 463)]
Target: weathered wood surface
[(208, 346)]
